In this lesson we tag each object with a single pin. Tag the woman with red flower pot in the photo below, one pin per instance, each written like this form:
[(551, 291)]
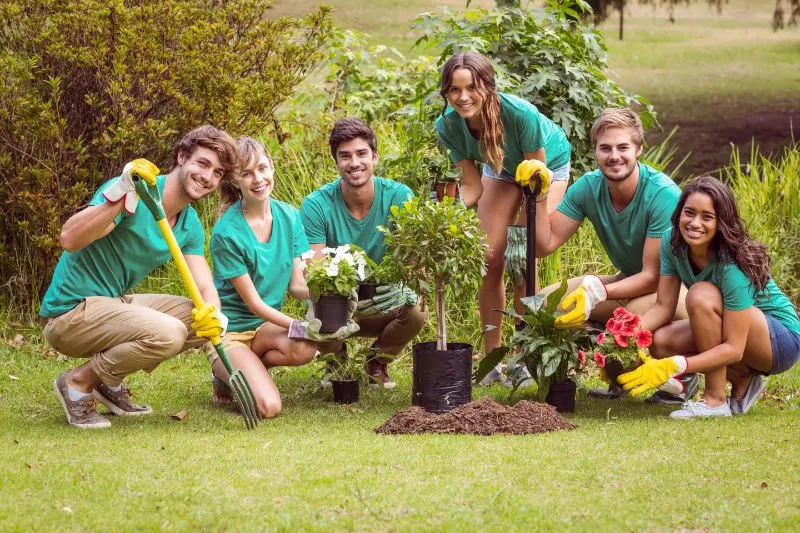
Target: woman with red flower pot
[(741, 327), (629, 205)]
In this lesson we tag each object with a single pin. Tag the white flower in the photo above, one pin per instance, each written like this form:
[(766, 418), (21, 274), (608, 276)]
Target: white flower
[(332, 270), (327, 251), (305, 256), (342, 249), (361, 273), (349, 259)]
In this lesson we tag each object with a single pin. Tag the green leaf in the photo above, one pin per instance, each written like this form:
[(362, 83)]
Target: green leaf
[(489, 361), (556, 296)]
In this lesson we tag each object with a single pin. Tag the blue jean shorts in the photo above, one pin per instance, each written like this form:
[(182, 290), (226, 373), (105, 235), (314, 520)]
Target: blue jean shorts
[(785, 345), (559, 174)]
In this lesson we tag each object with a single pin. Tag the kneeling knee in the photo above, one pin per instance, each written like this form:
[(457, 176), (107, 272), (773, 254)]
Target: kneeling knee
[(269, 407), (303, 352)]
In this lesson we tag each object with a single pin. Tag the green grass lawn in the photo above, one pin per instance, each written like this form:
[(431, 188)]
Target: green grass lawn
[(321, 466)]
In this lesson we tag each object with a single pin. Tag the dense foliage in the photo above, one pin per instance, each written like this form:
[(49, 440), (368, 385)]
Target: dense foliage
[(90, 84)]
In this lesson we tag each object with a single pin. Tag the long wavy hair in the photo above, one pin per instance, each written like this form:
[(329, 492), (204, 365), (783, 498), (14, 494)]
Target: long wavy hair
[(731, 243), (491, 141), (249, 152)]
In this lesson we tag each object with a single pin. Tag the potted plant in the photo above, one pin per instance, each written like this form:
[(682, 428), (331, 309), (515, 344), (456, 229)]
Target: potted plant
[(622, 346), (347, 374), (437, 248), (331, 281), (553, 355), (445, 177)]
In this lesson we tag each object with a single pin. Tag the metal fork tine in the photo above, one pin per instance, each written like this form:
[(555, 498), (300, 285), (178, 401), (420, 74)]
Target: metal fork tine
[(246, 399)]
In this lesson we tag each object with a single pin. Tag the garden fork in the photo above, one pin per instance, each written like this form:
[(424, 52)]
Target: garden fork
[(241, 388)]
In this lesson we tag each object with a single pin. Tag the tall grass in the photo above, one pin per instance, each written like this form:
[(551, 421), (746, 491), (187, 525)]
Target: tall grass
[(768, 196)]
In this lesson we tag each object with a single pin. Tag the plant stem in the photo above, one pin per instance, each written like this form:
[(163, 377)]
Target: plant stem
[(441, 331)]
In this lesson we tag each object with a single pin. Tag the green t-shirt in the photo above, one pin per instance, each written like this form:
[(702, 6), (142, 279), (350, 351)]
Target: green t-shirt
[(236, 251), (328, 221), (623, 234), (110, 266), (526, 130), (736, 288)]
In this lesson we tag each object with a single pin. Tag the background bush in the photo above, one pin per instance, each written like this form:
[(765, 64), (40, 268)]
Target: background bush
[(89, 84)]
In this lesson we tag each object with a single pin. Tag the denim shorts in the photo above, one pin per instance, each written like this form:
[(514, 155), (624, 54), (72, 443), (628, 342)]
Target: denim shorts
[(785, 345), (559, 174)]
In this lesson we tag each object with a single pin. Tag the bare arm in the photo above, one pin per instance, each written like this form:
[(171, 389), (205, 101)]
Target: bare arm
[(297, 283), (89, 224), (201, 273), (471, 186), (247, 291), (669, 288), (646, 281), (553, 230), (735, 327)]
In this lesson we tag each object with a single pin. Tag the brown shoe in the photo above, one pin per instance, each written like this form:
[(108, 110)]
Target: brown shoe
[(80, 413), (378, 372), (119, 402)]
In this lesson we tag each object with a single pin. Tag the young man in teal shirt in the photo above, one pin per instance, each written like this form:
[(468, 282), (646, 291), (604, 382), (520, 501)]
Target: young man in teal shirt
[(348, 211), (629, 205), (111, 246)]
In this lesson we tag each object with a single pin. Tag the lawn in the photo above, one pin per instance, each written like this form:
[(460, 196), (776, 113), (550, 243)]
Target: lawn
[(321, 466)]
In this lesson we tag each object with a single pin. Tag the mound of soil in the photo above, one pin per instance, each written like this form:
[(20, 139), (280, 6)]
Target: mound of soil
[(481, 417)]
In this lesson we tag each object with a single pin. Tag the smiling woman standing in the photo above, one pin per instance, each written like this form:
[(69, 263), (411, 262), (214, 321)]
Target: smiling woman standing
[(481, 125), (741, 327)]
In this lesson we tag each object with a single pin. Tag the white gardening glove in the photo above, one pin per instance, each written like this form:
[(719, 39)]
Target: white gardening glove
[(123, 186), (582, 300)]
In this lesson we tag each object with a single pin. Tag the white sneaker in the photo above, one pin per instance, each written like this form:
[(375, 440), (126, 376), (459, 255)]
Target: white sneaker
[(699, 409)]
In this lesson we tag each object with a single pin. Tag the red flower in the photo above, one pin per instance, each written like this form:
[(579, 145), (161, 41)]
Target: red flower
[(620, 313), (600, 359), (644, 338), (612, 326), (582, 357), (627, 329), (634, 320), (601, 338), (621, 340)]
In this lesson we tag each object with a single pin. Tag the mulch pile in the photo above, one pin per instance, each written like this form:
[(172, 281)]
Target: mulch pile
[(481, 417)]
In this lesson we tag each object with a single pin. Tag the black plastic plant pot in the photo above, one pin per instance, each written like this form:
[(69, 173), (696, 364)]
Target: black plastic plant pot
[(331, 310), (345, 391), (562, 396), (366, 290), (442, 378)]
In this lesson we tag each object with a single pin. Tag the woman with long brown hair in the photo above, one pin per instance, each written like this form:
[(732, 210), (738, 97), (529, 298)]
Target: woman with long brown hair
[(741, 327), (478, 124)]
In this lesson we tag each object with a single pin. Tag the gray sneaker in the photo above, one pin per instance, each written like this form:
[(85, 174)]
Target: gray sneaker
[(494, 376), (754, 390), (80, 413), (119, 402), (520, 374), (699, 409)]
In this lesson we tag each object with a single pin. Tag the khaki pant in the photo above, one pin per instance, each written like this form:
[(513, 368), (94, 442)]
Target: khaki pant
[(638, 305), (124, 335), (393, 330)]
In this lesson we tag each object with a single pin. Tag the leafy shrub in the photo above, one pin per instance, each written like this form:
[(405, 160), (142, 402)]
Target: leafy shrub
[(89, 84)]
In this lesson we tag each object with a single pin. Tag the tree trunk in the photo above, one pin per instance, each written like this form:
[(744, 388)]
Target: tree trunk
[(621, 17), (441, 328)]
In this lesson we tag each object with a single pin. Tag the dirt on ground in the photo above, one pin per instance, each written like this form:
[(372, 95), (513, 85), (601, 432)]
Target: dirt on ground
[(481, 417), (710, 140)]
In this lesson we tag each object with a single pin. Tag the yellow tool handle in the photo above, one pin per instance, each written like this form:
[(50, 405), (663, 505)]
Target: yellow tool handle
[(183, 267)]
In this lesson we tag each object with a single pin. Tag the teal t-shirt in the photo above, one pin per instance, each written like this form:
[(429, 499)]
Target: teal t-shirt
[(328, 221), (736, 288), (623, 234), (110, 266), (526, 130), (236, 251)]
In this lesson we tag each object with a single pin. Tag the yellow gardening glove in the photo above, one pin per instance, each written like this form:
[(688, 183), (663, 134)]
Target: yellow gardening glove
[(208, 323), (144, 169), (580, 302), (526, 174), (655, 373)]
